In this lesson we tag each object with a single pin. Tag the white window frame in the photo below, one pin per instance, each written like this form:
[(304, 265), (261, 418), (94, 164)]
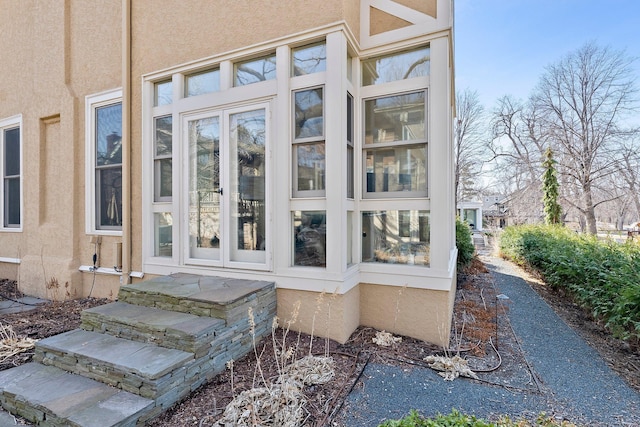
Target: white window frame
[(93, 102), (297, 142), (6, 124)]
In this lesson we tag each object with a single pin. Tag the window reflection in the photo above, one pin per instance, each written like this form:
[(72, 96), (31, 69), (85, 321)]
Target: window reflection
[(397, 66), (395, 118), (109, 165), (396, 237), (204, 183), (163, 226), (249, 138), (397, 169), (201, 83), (310, 238), (163, 162), (255, 70), (163, 93), (309, 59), (311, 166), (309, 113)]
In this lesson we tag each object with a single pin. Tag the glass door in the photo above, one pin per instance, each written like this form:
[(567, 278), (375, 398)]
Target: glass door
[(204, 205), (226, 174), (247, 146)]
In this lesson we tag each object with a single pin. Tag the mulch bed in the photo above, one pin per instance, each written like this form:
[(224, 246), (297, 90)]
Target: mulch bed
[(491, 349)]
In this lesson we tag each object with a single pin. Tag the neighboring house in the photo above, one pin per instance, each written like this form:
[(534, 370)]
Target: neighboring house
[(306, 143), (495, 211), (471, 213)]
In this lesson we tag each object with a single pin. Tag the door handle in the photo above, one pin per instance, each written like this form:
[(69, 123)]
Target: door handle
[(219, 191)]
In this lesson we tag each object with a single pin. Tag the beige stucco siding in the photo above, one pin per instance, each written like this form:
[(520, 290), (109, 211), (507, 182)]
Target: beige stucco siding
[(54, 54), (167, 33), (320, 314)]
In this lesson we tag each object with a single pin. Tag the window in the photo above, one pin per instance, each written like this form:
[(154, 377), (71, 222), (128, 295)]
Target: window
[(396, 66), (163, 93), (104, 162), (310, 238), (162, 159), (201, 83), (10, 170), (396, 237), (309, 145), (163, 226), (395, 152), (350, 157), (309, 59), (255, 70)]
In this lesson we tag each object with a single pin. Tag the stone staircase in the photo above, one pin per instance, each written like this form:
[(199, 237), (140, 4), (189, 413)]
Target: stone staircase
[(134, 358)]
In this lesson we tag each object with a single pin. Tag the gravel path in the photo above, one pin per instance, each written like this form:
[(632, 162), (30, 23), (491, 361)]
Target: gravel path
[(573, 382)]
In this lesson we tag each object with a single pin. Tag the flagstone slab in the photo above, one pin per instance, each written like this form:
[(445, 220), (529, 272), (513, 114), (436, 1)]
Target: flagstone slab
[(56, 395), (144, 359)]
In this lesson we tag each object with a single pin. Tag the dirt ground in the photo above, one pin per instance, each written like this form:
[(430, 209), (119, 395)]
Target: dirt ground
[(491, 348)]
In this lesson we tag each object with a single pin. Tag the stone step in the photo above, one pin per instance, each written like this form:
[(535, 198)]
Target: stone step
[(49, 396), (141, 368), (211, 296), (169, 329)]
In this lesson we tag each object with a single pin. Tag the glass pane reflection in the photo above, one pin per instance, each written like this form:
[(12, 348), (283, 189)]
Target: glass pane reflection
[(397, 169), (309, 59), (310, 238), (311, 166), (397, 66), (396, 237), (256, 70)]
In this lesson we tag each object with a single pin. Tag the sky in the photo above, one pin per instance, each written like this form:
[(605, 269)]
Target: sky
[(503, 46)]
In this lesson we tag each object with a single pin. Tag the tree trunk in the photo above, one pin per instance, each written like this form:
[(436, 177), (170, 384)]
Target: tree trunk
[(589, 209)]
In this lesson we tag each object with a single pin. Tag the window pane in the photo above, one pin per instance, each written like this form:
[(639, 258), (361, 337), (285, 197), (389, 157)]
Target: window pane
[(350, 179), (397, 169), (163, 182), (309, 59), (12, 202), (163, 226), (256, 70), (201, 83), (109, 135), (164, 138), (395, 118), (309, 114), (204, 183), (12, 152), (310, 162), (163, 93), (310, 238), (397, 66), (109, 193), (247, 139), (396, 237)]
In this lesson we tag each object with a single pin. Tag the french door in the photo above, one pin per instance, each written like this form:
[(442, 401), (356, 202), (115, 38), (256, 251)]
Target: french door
[(226, 177)]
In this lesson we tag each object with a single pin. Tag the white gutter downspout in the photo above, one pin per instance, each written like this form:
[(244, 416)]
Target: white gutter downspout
[(126, 143)]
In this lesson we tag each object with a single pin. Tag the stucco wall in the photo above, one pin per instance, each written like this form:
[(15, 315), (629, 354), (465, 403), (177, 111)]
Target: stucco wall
[(321, 314), (419, 313), (54, 54)]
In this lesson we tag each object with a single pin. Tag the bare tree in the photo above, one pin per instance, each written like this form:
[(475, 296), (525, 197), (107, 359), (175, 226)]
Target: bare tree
[(469, 143), (582, 101), (518, 146), (629, 170)]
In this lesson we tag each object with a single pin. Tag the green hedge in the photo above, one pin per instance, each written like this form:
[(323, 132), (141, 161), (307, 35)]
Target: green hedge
[(464, 242), (603, 276)]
